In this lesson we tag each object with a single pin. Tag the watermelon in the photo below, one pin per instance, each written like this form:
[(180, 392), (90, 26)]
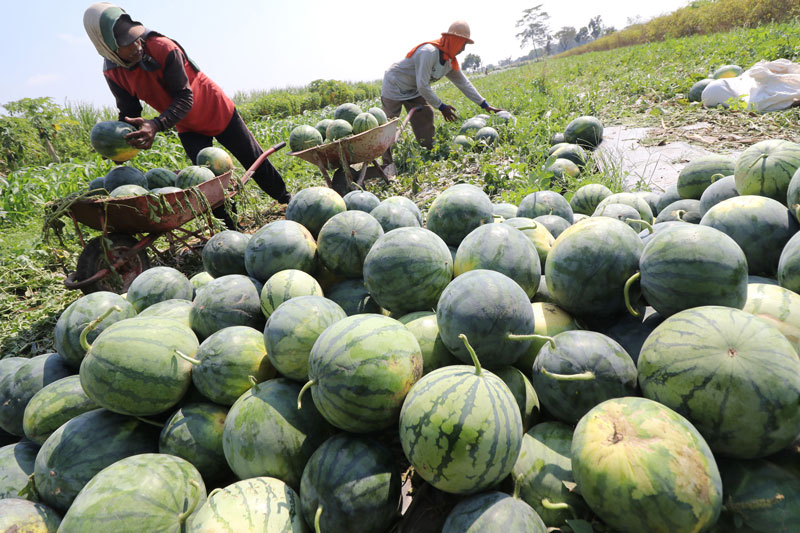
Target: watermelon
[(545, 203), (487, 135), (97, 186), (293, 329), (471, 126), (379, 115), (463, 142), (53, 405), (720, 190), (178, 309), (165, 190), (194, 433), (557, 138), (313, 206), (489, 308), (501, 248), (586, 131), (647, 234), (84, 446), (766, 168), (789, 265), (760, 226), (727, 71), (16, 466), (303, 137), (147, 492), (79, 314), (563, 167), (544, 470), (352, 296), (128, 190), (160, 177), (322, 126), (580, 369), (407, 269), (17, 515), (651, 198), (485, 422), (696, 91), (223, 254), (277, 246), (622, 212), (215, 159), (493, 512), (344, 241), (265, 501), (522, 389), (631, 332), (232, 300), (423, 325), (158, 284), (736, 378), (555, 224), (393, 216), (570, 152), (504, 118), (124, 175), (778, 307), (200, 280), (360, 369), (548, 321), (631, 199), (504, 209), (669, 195), (699, 173), (149, 383), (108, 139), (643, 467), (338, 129), (402, 201), (589, 264), (193, 175), (364, 122), (227, 362), (351, 483), (347, 111), (285, 285), (457, 211), (267, 434), (538, 234), (361, 201), (690, 266)]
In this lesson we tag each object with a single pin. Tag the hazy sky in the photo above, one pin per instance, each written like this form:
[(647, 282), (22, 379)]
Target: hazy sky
[(254, 45)]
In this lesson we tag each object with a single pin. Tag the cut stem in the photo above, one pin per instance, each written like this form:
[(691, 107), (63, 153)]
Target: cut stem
[(627, 294), (193, 504), (679, 214), (583, 376), (476, 362), (534, 226), (644, 223), (91, 326), (188, 358), (317, 518), (532, 337), (547, 504), (307, 386)]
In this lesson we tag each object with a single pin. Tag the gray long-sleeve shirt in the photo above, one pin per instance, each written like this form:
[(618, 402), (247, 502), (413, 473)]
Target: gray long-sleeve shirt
[(413, 76)]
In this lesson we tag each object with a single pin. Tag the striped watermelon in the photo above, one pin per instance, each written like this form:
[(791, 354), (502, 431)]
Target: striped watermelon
[(760, 226), (588, 197), (402, 201), (692, 265), (285, 285), (280, 245), (736, 378), (471, 126), (232, 300), (570, 152), (643, 467), (379, 114), (500, 248), (216, 159), (345, 240), (580, 369), (84, 446), (192, 176), (227, 361), (766, 168), (486, 428), (53, 405), (548, 321), (77, 316), (353, 297), (504, 209), (457, 211), (720, 190), (147, 492), (554, 224), (304, 136), (360, 370), (522, 389), (538, 234), (266, 434), (586, 131), (392, 216), (223, 254), (16, 465), (423, 325), (149, 383), (322, 126), (23, 516), (623, 213), (108, 139), (407, 269), (789, 265), (351, 483), (687, 210), (631, 199), (338, 129), (493, 512), (158, 284), (313, 206), (194, 433), (669, 195), (589, 264), (363, 122), (489, 308), (123, 175), (266, 501), (347, 111), (701, 172), (545, 203), (293, 329), (158, 178), (651, 198), (778, 307), (359, 200), (563, 167), (178, 309), (543, 470)]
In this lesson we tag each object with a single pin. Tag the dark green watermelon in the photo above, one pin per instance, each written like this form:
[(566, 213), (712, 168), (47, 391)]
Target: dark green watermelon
[(361, 201), (545, 203), (232, 300), (457, 211), (669, 195), (277, 246), (313, 206), (720, 190), (555, 224), (352, 296), (586, 131), (194, 433), (789, 265), (16, 466), (344, 241), (123, 175), (493, 512), (158, 284), (696, 91), (160, 177), (223, 254), (687, 210)]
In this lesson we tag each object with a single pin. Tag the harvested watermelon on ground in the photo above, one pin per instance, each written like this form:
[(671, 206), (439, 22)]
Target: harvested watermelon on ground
[(727, 71), (631, 332), (285, 285), (504, 209), (669, 195), (736, 378), (585, 131), (392, 216), (487, 136), (423, 325), (571, 152), (669, 483), (776, 306), (361, 201), (344, 241), (701, 172), (696, 91), (200, 280), (280, 245), (681, 211), (16, 466), (313, 206), (178, 309), (720, 190), (192, 176), (53, 405), (215, 159), (538, 234), (554, 224), (194, 433), (631, 199), (352, 296), (158, 284), (402, 201), (351, 483), (303, 137), (522, 389), (766, 168), (588, 197), (623, 213), (561, 168), (457, 211), (232, 300), (651, 198), (545, 203), (493, 512), (36, 517), (471, 126), (223, 254), (789, 265), (548, 320)]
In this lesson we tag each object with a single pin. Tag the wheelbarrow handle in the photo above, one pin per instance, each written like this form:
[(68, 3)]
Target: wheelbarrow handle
[(405, 121), (257, 163)]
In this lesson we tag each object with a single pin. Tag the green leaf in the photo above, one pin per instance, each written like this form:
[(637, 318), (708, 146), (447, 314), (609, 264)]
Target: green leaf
[(580, 526)]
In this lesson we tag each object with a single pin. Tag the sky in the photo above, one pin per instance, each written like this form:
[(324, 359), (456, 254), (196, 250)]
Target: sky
[(260, 45)]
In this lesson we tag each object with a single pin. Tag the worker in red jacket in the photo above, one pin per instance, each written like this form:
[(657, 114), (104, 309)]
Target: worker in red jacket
[(141, 64)]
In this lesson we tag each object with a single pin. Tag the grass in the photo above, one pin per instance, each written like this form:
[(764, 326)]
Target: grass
[(642, 85)]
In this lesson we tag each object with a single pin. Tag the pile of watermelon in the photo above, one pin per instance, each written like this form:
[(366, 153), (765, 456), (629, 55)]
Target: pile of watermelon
[(603, 362), (348, 119)]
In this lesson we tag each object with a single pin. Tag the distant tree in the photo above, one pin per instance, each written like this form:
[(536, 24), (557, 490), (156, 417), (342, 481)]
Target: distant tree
[(582, 36), (609, 30), (565, 37), (472, 62), (548, 45), (596, 27), (505, 62), (535, 28), (43, 114)]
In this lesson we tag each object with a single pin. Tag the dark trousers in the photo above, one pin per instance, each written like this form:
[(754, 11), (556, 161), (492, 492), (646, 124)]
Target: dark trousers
[(421, 121)]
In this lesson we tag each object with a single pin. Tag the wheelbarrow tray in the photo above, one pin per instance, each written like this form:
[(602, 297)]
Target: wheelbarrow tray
[(360, 148), (152, 213)]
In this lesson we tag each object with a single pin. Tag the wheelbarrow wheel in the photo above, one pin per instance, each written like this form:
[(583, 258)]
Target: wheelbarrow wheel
[(95, 257)]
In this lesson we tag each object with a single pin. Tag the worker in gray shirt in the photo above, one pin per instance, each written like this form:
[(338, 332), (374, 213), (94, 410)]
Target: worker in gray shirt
[(408, 84)]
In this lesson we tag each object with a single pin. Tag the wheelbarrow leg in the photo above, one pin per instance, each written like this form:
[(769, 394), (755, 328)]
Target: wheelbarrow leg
[(380, 171), (345, 167)]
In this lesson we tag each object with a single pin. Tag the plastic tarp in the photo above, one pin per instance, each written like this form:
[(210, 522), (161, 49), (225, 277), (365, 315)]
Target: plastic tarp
[(766, 86)]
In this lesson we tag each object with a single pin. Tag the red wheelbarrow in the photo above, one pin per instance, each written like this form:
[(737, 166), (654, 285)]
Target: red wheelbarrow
[(118, 250), (364, 148)]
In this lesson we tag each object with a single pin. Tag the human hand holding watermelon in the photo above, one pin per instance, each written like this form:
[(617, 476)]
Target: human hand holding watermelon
[(145, 133)]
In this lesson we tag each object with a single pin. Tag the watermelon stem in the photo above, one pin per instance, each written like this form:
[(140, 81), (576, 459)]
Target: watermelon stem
[(307, 386), (644, 223), (679, 214), (29, 490), (93, 325), (627, 293), (517, 485), (195, 499), (583, 376), (317, 517), (253, 380), (796, 208), (532, 337), (547, 504), (534, 226), (475, 360), (716, 177), (190, 359), (754, 505)]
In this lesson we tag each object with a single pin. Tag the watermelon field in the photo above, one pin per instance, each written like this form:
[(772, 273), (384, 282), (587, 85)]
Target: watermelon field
[(517, 333)]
